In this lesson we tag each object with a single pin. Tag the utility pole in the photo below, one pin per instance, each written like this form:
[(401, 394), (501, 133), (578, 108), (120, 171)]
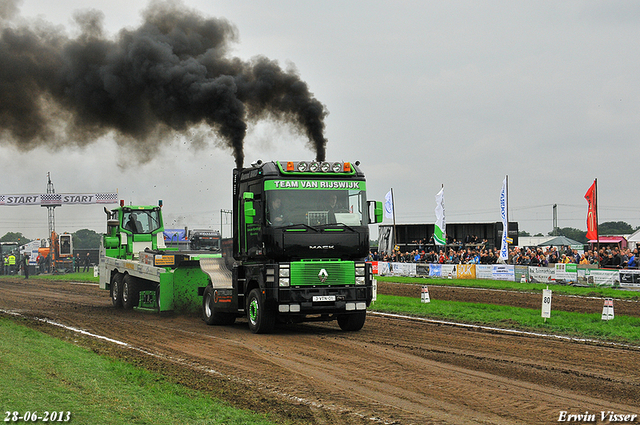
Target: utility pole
[(227, 212)]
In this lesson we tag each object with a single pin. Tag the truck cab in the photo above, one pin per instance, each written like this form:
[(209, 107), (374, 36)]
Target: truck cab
[(133, 229), (205, 240), (301, 234)]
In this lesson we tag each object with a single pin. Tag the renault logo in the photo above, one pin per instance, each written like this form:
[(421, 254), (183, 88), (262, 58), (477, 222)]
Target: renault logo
[(323, 275)]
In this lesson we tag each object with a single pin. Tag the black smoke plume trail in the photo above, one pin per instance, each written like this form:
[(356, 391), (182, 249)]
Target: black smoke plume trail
[(170, 75)]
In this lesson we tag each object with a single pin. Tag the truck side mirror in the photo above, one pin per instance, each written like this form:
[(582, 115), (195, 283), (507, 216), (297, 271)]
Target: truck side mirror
[(378, 212), (249, 210)]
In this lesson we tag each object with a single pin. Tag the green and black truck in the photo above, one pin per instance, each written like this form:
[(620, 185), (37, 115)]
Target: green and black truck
[(300, 238)]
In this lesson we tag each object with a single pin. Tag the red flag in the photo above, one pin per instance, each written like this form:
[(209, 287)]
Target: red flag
[(592, 217)]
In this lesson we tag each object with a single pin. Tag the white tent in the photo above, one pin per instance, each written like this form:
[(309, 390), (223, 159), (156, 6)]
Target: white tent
[(634, 240)]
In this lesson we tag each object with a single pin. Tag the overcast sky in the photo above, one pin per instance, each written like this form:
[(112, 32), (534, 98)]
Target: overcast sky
[(422, 93)]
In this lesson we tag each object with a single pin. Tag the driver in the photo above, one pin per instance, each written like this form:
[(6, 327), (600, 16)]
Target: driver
[(276, 211), (333, 206), (134, 224)]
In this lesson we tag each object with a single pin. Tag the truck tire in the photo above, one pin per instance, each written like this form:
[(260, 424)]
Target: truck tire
[(116, 290), (352, 322), (130, 292), (209, 313), (261, 319)]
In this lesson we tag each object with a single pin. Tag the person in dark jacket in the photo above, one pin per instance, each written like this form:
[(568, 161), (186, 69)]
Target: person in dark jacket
[(25, 265), (87, 263)]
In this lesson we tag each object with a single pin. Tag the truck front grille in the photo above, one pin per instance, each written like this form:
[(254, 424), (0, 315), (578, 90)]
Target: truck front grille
[(322, 273)]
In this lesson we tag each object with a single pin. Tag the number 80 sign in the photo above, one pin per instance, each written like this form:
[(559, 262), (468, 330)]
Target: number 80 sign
[(546, 303)]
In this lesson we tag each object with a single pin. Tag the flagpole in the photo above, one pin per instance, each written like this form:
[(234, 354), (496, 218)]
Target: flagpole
[(393, 202), (445, 229), (597, 232), (507, 202)]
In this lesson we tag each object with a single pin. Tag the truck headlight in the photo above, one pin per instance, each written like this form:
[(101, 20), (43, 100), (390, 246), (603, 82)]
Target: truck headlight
[(360, 280), (284, 281), (284, 271)]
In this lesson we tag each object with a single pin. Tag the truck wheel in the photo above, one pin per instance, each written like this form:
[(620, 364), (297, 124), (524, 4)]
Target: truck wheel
[(130, 292), (116, 290), (209, 313), (261, 319), (352, 322)]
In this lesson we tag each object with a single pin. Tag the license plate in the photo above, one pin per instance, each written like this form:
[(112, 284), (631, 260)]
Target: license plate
[(321, 298)]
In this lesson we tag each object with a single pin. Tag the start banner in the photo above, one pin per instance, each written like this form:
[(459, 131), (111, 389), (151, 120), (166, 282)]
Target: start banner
[(55, 199)]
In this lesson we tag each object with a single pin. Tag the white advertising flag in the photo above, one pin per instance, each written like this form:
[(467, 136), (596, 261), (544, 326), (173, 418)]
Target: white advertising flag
[(388, 205), (440, 230), (504, 248)]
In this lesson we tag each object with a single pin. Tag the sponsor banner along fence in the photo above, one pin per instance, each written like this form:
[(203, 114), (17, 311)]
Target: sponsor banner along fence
[(599, 277), (542, 274), (630, 278), (560, 273)]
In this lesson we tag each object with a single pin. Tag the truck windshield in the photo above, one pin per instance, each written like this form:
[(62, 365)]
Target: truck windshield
[(315, 207), (141, 221)]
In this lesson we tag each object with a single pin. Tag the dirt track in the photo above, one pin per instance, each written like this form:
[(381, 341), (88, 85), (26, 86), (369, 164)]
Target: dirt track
[(393, 371)]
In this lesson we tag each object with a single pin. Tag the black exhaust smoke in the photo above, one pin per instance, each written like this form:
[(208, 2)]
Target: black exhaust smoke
[(171, 75)]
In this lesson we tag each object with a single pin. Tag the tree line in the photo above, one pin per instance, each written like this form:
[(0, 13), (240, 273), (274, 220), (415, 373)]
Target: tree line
[(609, 228), (82, 239)]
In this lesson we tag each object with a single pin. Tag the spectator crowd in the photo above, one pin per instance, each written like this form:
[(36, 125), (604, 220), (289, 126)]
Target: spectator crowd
[(606, 257)]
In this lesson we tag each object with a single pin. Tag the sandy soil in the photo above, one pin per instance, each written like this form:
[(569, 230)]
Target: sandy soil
[(393, 371)]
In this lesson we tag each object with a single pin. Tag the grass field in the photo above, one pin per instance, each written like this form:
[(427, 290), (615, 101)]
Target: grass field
[(79, 277), (43, 374), (517, 286), (622, 329)]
